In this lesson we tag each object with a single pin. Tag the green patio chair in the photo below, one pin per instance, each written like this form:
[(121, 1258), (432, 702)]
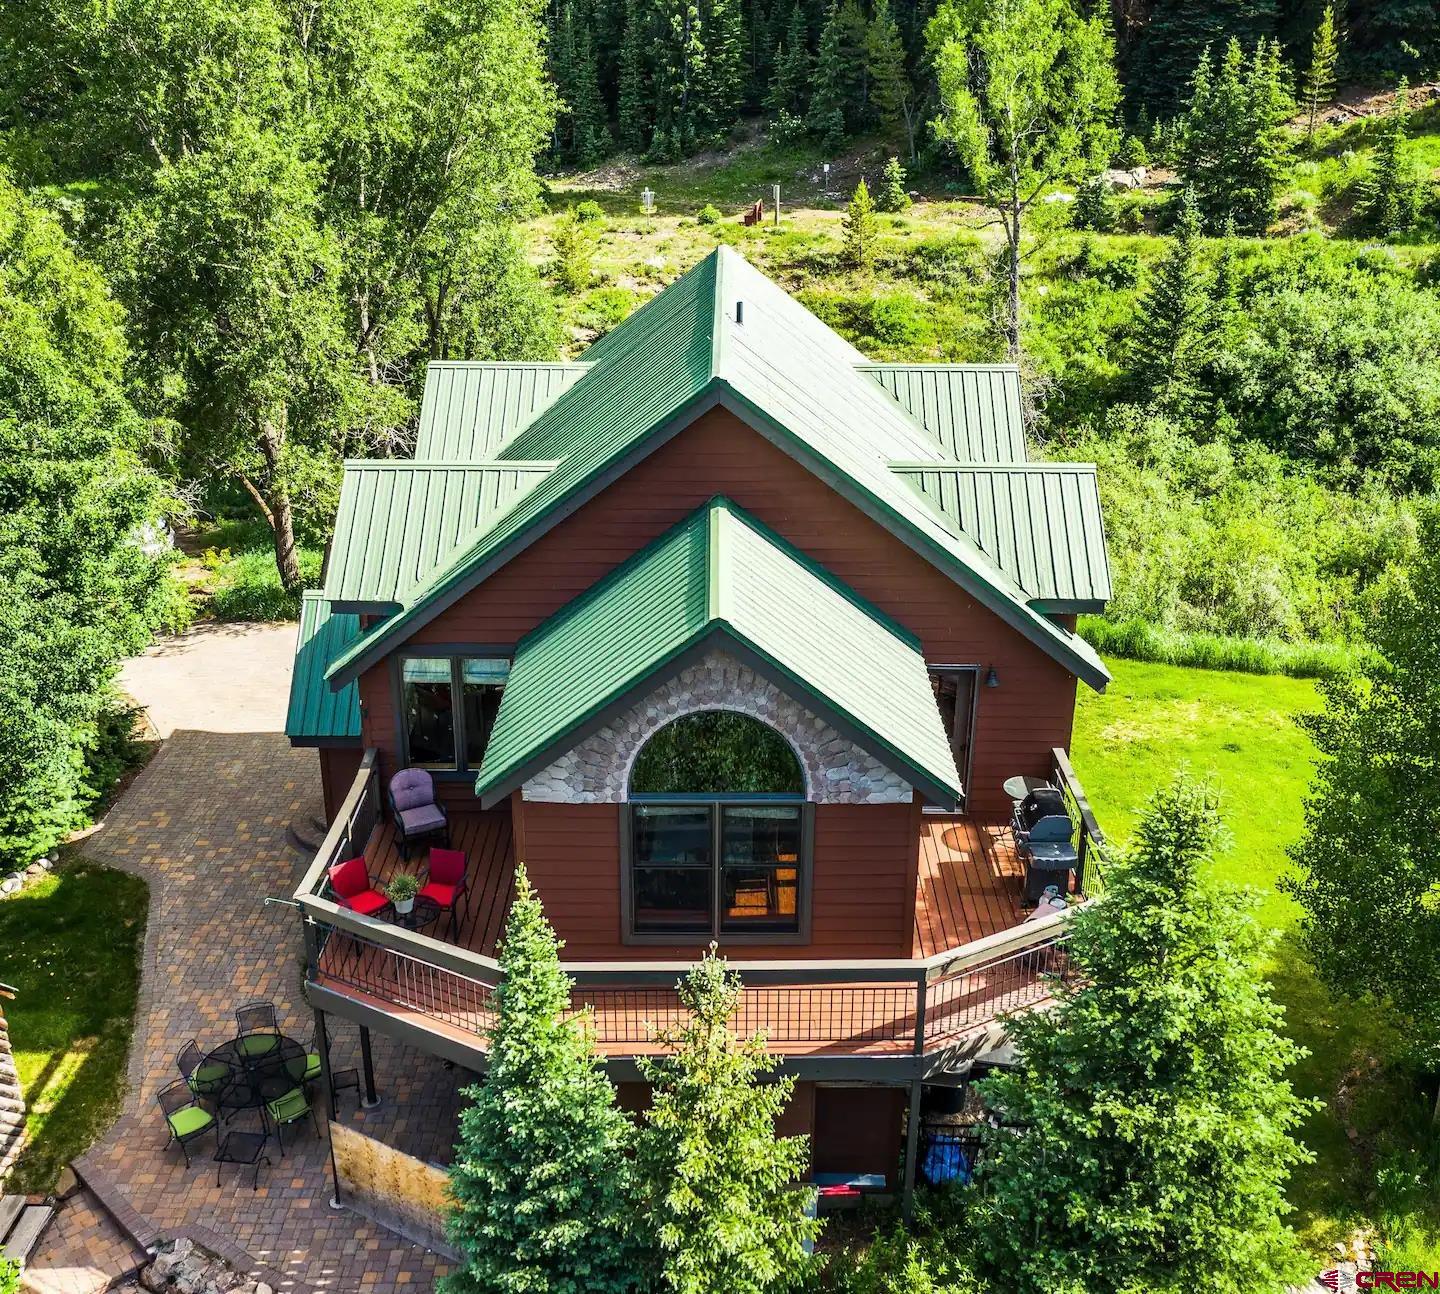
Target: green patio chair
[(259, 1031), (288, 1109), (204, 1077), (185, 1117)]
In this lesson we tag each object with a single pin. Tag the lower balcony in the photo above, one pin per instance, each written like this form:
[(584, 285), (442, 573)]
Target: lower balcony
[(976, 955)]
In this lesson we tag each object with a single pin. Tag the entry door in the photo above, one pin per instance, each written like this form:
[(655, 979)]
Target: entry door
[(955, 688)]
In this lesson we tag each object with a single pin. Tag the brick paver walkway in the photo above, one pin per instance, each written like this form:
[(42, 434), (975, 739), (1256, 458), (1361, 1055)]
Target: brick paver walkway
[(205, 825), (83, 1251)]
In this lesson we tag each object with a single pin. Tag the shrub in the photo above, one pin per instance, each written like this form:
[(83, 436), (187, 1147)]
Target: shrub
[(893, 195), (9, 1276), (709, 215), (589, 212), (787, 128), (1133, 153), (574, 242), (1094, 207)]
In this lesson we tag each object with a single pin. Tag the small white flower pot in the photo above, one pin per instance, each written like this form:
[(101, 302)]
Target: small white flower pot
[(404, 906)]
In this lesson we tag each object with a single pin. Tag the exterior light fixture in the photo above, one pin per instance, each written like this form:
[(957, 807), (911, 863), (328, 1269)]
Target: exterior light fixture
[(992, 679)]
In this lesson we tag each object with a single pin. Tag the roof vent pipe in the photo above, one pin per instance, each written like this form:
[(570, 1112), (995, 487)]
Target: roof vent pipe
[(739, 312)]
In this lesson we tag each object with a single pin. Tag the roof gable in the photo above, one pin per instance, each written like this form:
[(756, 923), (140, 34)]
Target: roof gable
[(777, 367), (720, 573), (975, 411)]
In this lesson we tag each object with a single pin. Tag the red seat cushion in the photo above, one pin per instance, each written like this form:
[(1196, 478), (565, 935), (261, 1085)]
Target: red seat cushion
[(350, 878), (366, 902), (447, 866), (444, 895)]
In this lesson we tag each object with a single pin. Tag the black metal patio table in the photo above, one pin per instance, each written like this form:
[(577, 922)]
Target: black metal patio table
[(421, 916), (258, 1073)]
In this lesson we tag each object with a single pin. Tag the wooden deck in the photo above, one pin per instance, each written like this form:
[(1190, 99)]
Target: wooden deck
[(969, 883)]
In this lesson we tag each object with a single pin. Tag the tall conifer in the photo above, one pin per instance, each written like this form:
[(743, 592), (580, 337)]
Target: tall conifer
[(1318, 85), (1170, 321)]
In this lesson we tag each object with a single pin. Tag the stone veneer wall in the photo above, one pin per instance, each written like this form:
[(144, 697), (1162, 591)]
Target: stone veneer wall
[(837, 771)]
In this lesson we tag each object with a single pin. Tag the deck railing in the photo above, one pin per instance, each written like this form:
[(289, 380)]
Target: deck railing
[(888, 1007)]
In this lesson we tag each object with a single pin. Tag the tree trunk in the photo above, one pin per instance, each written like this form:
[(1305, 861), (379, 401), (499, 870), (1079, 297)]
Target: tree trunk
[(274, 502), (1012, 294)]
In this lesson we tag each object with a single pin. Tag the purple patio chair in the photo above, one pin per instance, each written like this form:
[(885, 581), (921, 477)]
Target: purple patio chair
[(412, 803)]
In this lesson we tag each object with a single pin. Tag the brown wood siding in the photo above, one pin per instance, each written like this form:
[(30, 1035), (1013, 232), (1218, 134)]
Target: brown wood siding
[(863, 902), (1017, 722), (859, 1130), (338, 766)]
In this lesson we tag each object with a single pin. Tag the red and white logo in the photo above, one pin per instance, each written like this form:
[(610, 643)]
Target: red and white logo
[(1332, 1280)]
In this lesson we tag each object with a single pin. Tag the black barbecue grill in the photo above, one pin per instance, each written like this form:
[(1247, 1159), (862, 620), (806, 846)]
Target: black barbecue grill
[(1044, 839)]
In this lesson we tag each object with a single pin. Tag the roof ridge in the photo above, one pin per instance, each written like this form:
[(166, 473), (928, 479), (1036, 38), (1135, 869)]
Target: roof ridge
[(979, 465), (509, 363), (452, 464), (719, 320)]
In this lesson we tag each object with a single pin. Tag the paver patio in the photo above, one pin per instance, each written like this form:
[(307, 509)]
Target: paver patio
[(205, 825)]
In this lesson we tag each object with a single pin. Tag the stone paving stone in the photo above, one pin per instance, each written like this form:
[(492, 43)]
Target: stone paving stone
[(205, 824), (82, 1252)]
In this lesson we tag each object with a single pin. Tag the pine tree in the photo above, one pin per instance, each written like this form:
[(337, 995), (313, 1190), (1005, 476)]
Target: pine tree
[(1232, 149), (561, 49), (790, 86), (540, 1186), (1318, 86), (858, 109), (679, 76), (589, 135), (893, 195), (1391, 193), (633, 119), (721, 86), (890, 89), (1158, 1123), (715, 1180), (1168, 341), (1094, 207), (831, 83), (1160, 60), (860, 229)]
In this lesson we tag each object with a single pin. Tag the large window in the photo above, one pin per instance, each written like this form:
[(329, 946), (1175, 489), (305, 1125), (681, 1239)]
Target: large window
[(717, 835), (448, 708)]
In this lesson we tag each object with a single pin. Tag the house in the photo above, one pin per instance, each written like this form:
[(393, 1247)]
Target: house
[(731, 635)]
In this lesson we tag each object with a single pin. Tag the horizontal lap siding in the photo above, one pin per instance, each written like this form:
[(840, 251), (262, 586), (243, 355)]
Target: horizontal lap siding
[(863, 887), (1018, 721)]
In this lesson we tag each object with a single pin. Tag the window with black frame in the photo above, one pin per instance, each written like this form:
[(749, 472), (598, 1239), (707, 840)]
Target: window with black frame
[(448, 709), (717, 836)]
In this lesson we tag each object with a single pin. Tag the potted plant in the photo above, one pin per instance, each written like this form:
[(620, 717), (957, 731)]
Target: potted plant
[(401, 891)]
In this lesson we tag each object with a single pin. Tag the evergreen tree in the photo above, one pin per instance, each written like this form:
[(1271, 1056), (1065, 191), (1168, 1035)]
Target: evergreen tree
[(891, 90), (893, 196), (717, 1183), (858, 109), (860, 231), (790, 86), (589, 135), (632, 112), (721, 86), (1369, 871), (1161, 59), (560, 50), (1318, 86), (1027, 96), (1170, 326), (679, 76), (1232, 149), (1391, 193), (1094, 207), (1157, 1121), (540, 1184), (832, 83)]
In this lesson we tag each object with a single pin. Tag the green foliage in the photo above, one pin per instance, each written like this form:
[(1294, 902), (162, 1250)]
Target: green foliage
[(574, 242), (1139, 639), (1161, 55), (1027, 97), (1233, 146), (891, 90), (709, 214), (1094, 207), (590, 212), (717, 752), (73, 942), (1155, 1120), (246, 586), (893, 195), (1317, 87), (1392, 193), (402, 887), (860, 229), (80, 593), (721, 1211), (789, 89), (540, 1184), (1170, 337), (904, 1261), (10, 1273), (836, 96), (1368, 869)]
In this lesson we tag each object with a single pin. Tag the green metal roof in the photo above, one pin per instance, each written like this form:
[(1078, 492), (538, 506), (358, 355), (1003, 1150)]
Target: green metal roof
[(318, 716), (720, 577), (1039, 522), (781, 370), (468, 409), (399, 520), (974, 410)]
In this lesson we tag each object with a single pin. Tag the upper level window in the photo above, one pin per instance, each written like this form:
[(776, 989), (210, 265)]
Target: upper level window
[(718, 831), (449, 706), (956, 688)]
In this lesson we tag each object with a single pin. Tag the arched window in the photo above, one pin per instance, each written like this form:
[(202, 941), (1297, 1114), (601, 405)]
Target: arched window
[(717, 833)]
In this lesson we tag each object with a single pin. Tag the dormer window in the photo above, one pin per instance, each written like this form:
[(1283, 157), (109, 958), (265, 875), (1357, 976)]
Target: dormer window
[(448, 707), (717, 834)]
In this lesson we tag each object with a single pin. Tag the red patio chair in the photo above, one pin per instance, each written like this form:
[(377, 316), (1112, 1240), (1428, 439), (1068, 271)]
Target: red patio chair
[(445, 882), (351, 882)]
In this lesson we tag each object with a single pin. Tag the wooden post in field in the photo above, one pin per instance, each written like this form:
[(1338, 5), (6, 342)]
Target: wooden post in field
[(775, 194)]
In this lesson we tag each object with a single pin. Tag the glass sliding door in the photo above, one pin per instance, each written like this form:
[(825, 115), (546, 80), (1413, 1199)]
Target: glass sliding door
[(429, 713)]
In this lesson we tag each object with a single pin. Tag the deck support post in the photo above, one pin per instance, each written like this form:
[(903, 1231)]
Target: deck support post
[(912, 1151), (322, 1047), (367, 1064)]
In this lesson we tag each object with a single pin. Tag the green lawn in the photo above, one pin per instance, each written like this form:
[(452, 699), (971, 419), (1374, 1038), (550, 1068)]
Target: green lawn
[(1240, 731), (72, 946)]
